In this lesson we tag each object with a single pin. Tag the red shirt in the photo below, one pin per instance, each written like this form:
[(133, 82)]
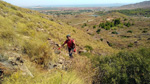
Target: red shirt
[(70, 43)]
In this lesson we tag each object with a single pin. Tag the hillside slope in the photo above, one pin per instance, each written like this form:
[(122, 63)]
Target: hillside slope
[(34, 36), (31, 24), (144, 4)]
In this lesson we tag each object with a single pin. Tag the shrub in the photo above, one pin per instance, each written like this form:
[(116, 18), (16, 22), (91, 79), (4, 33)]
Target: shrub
[(102, 25), (98, 31), (129, 31), (125, 19), (144, 31), (127, 24), (101, 39), (120, 25), (125, 68), (74, 31), (114, 28), (94, 26), (88, 48), (107, 27), (130, 45), (82, 26), (36, 48), (7, 34), (85, 24), (114, 32), (19, 14), (116, 22), (14, 8)]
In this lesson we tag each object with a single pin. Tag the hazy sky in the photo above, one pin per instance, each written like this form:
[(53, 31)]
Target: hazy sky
[(67, 2)]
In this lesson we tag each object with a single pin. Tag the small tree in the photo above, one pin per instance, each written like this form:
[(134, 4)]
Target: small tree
[(127, 24), (85, 24), (117, 21), (94, 26), (98, 31)]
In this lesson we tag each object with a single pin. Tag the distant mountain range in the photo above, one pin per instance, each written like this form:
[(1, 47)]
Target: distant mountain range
[(82, 5), (145, 4), (117, 6)]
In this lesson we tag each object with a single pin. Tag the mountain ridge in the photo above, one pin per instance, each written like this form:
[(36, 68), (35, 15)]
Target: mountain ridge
[(143, 4)]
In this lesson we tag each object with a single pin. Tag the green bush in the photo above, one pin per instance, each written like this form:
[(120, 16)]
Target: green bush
[(127, 24), (88, 48), (114, 32), (85, 24), (117, 21), (130, 45), (109, 25), (125, 68), (125, 19), (98, 31), (129, 31), (101, 39), (144, 31), (94, 26)]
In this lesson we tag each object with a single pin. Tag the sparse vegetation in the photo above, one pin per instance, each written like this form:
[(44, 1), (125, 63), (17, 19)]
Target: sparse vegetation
[(53, 77), (135, 12)]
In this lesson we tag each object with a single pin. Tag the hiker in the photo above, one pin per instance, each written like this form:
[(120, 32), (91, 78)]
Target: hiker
[(71, 45)]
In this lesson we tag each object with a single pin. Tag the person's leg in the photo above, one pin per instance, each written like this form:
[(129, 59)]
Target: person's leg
[(70, 52)]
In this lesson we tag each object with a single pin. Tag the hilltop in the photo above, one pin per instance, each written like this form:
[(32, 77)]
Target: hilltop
[(144, 4)]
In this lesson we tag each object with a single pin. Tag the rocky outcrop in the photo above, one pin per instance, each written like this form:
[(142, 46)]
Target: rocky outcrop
[(61, 64), (12, 63)]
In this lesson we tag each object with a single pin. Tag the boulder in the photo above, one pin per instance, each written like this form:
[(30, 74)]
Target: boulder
[(82, 51), (13, 64), (60, 64), (136, 42)]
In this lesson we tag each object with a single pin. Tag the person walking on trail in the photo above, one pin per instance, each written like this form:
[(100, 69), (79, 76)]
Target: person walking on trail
[(71, 45)]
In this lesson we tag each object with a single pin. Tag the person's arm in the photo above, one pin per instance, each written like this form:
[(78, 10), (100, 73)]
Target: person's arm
[(62, 45), (74, 44)]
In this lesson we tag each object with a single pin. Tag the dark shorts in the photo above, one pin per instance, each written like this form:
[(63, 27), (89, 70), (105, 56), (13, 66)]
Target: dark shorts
[(71, 50)]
